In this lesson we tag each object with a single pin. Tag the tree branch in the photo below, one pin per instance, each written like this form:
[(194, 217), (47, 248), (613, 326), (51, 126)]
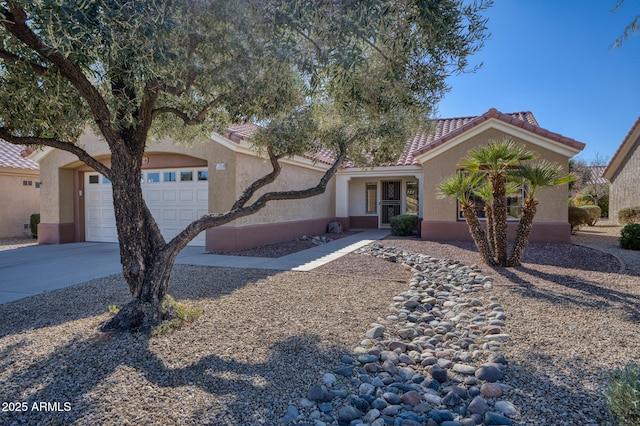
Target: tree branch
[(15, 22), (260, 183), (55, 143), (189, 121), (10, 57), (217, 219)]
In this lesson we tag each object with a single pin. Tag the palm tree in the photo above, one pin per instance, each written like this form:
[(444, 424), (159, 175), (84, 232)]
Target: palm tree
[(543, 174), (496, 160), (484, 191), (463, 187)]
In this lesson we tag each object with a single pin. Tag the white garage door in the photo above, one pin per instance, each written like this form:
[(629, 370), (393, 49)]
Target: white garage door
[(175, 197)]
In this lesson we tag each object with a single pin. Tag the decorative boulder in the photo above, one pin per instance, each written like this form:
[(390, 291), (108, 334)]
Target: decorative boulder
[(334, 227)]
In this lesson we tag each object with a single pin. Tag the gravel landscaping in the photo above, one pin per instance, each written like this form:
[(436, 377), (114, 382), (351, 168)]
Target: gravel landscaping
[(266, 338)]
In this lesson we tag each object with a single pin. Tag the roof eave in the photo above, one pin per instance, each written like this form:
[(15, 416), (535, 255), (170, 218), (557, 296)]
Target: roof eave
[(623, 151)]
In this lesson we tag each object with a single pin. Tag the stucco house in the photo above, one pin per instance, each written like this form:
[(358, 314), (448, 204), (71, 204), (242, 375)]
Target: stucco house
[(19, 190), (623, 171), (182, 182)]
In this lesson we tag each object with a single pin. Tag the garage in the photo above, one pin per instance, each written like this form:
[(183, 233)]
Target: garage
[(175, 197)]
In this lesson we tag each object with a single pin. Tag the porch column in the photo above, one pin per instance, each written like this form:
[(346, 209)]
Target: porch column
[(342, 196), (420, 195)]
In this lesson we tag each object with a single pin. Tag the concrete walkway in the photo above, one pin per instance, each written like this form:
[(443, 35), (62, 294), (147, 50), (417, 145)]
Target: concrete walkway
[(38, 269)]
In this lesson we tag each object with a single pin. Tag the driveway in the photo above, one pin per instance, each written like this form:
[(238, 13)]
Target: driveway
[(38, 269)]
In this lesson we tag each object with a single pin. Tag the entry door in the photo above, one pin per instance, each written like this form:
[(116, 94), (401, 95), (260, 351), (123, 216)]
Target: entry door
[(390, 200)]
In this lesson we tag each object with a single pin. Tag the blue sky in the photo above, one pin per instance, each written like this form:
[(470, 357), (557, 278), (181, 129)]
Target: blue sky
[(554, 58)]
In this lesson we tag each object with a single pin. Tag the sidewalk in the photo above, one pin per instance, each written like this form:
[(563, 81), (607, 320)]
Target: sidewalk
[(38, 269)]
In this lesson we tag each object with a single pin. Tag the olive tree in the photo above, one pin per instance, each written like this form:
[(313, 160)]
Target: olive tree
[(357, 78)]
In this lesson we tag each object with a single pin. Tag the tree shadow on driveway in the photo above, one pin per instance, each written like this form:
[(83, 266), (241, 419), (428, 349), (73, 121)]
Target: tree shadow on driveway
[(94, 297)]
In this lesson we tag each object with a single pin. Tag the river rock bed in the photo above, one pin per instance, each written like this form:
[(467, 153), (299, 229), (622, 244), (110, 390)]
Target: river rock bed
[(436, 359)]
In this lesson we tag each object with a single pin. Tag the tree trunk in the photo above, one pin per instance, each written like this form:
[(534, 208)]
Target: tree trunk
[(499, 207), (478, 235), (490, 229), (146, 259), (523, 231)]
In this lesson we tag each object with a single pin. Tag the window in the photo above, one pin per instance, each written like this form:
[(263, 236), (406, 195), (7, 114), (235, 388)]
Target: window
[(170, 177), (412, 197), (153, 177), (371, 198), (186, 176), (514, 206), (203, 175), (94, 179)]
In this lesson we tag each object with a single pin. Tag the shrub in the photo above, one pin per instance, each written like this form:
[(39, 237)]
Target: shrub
[(404, 224), (622, 395), (629, 215), (33, 224), (594, 214), (577, 217), (630, 237)]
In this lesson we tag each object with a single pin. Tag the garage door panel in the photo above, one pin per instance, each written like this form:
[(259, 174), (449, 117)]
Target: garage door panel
[(170, 215), (152, 196), (173, 204), (169, 196)]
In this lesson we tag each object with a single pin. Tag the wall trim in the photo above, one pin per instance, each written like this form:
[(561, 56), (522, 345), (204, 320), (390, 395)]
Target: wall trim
[(233, 238)]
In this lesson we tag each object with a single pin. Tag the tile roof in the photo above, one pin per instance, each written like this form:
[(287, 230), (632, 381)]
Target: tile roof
[(452, 127), (624, 149), (444, 129), (595, 175), (10, 156)]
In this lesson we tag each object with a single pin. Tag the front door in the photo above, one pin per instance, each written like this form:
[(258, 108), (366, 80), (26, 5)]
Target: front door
[(390, 200)]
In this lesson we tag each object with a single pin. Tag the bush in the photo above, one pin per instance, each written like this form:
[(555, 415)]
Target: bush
[(629, 215), (33, 224), (577, 217), (630, 237), (404, 224), (603, 203), (594, 214), (622, 395)]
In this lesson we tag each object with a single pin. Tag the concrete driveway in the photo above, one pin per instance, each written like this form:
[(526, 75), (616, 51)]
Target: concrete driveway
[(34, 270)]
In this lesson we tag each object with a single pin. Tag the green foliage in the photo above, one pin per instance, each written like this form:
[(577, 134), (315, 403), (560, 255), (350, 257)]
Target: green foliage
[(577, 218), (493, 172), (594, 214), (113, 309), (34, 220), (179, 315), (404, 224), (368, 71), (630, 237), (622, 395), (629, 215)]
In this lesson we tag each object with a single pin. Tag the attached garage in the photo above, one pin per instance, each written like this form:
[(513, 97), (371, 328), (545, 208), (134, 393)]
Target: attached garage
[(175, 196)]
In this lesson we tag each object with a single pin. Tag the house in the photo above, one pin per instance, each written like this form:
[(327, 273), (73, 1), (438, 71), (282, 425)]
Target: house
[(623, 171), (181, 183), (19, 190)]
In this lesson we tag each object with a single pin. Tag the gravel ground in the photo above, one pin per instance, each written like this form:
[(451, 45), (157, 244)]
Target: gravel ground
[(288, 247), (265, 337), (16, 242)]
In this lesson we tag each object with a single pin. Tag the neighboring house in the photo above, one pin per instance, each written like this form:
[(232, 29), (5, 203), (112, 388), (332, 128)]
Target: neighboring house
[(623, 172), (19, 190), (181, 183)]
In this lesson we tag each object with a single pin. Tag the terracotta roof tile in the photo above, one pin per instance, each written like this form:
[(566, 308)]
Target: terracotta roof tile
[(10, 156), (444, 129), (524, 120)]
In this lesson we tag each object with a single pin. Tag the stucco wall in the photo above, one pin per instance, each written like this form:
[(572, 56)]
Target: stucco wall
[(229, 173), (553, 201), (292, 177), (624, 190), (18, 201)]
